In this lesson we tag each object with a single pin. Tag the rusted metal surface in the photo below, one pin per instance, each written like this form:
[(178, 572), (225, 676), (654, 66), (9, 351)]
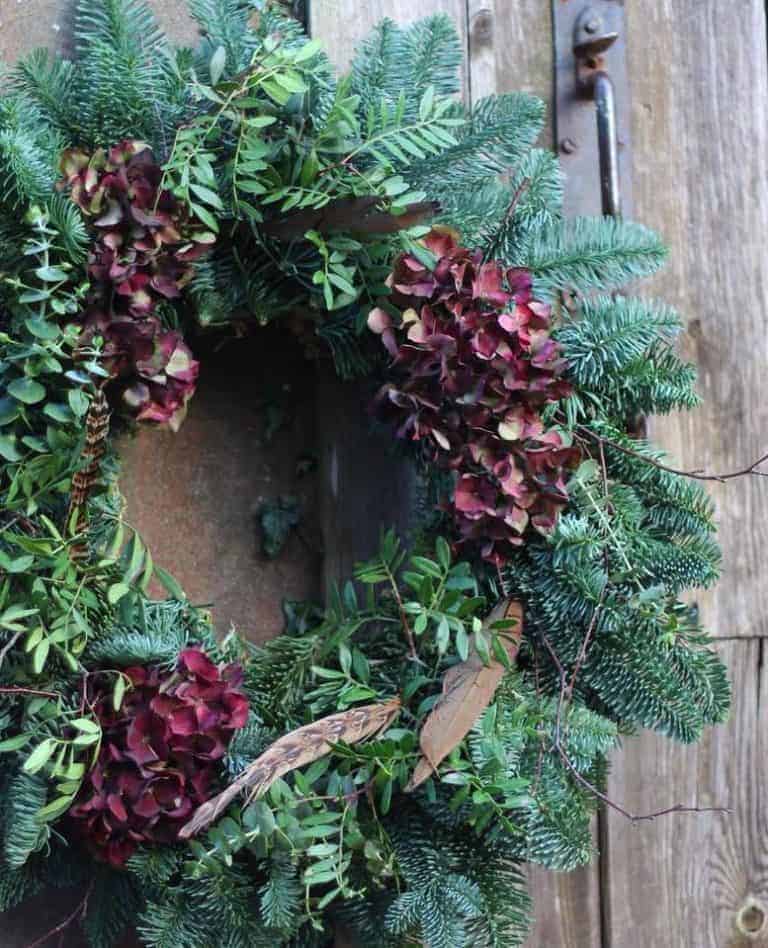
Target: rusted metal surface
[(591, 40), (194, 495), (592, 108)]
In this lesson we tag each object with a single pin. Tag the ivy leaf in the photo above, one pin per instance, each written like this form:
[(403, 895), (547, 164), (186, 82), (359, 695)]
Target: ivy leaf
[(54, 809), (13, 743), (8, 449), (217, 64), (27, 390), (116, 592), (119, 693), (78, 401), (210, 197), (51, 274), (170, 584)]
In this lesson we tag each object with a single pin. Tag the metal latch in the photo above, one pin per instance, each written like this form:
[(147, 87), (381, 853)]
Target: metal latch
[(592, 105)]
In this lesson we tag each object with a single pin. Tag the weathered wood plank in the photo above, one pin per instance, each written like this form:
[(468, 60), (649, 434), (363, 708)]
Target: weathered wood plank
[(700, 169), (700, 141), (27, 24), (364, 485), (696, 880), (510, 48), (195, 495), (566, 908), (342, 24)]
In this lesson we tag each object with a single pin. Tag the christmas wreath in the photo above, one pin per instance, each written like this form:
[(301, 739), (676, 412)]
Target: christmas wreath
[(381, 771)]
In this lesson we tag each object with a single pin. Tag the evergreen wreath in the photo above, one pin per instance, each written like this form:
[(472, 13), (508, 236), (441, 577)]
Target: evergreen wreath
[(385, 767)]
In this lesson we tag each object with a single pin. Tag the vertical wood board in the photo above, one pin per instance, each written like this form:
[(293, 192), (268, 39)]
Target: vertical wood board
[(510, 50), (700, 139), (699, 91), (366, 485), (695, 880)]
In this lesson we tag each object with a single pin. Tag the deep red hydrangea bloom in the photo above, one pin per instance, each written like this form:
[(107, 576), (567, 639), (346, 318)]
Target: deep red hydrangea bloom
[(474, 364), (160, 755), (145, 244)]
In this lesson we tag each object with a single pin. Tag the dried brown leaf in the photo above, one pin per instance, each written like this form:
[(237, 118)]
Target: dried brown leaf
[(467, 690), (294, 750)]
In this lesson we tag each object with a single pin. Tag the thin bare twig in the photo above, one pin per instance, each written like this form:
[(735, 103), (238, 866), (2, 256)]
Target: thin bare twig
[(79, 913), (18, 690), (585, 644), (580, 778), (635, 817), (403, 617), (696, 474), (519, 191), (9, 645)]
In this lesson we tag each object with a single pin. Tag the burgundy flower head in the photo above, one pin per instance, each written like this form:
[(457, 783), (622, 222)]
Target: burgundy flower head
[(160, 754), (145, 243), (474, 364)]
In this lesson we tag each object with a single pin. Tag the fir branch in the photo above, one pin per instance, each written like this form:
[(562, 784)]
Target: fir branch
[(590, 254)]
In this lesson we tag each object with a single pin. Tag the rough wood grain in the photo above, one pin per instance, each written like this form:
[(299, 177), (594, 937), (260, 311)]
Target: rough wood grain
[(699, 90), (697, 880), (510, 48), (700, 139), (342, 24), (27, 24), (195, 495), (365, 484)]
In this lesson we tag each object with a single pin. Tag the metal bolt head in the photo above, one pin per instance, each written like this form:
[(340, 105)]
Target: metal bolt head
[(568, 145)]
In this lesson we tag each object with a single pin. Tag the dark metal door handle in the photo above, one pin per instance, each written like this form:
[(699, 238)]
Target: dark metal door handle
[(592, 79), (608, 144)]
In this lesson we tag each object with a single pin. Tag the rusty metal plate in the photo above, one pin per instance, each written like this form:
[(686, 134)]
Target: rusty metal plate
[(579, 23)]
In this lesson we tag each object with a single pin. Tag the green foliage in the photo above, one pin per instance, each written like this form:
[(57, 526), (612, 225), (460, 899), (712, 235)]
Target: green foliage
[(589, 254), (18, 885), (123, 63), (281, 896), (302, 177), (224, 26), (450, 882), (393, 59), (23, 834), (112, 907), (277, 519), (620, 353)]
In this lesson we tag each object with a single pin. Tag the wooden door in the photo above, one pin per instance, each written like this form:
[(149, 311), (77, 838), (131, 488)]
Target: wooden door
[(699, 88)]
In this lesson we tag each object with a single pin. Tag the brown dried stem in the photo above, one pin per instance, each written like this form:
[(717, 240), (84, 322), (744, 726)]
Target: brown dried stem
[(580, 778), (79, 913), (696, 474)]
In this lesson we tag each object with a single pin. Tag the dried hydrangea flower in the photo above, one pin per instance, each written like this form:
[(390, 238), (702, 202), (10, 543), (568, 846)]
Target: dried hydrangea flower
[(474, 364), (160, 753), (146, 241)]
